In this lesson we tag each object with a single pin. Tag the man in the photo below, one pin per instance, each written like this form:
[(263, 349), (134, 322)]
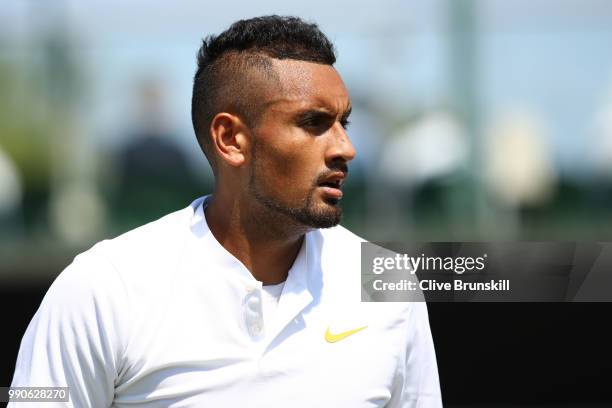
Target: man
[(247, 297)]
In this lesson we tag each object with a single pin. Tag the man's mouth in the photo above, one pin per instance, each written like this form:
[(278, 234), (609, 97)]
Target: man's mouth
[(332, 185)]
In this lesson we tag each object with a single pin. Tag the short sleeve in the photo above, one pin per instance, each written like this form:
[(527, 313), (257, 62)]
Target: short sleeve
[(77, 337), (417, 384)]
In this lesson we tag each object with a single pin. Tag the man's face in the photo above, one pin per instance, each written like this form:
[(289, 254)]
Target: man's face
[(300, 148)]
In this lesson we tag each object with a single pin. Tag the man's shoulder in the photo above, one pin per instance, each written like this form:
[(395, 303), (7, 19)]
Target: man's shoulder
[(148, 249), (162, 232)]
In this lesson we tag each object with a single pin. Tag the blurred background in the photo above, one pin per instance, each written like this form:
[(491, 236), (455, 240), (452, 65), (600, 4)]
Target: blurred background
[(473, 120)]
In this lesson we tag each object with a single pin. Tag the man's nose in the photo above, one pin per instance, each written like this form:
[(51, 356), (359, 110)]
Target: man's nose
[(340, 147)]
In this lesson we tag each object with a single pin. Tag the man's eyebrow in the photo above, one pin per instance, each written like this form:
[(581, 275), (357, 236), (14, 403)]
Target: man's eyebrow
[(322, 111), (311, 112)]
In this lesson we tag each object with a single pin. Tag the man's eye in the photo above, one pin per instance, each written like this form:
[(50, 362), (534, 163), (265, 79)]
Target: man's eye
[(309, 123), (345, 123), (316, 125)]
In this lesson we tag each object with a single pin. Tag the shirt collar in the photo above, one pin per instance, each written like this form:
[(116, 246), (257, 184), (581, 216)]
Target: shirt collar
[(299, 275)]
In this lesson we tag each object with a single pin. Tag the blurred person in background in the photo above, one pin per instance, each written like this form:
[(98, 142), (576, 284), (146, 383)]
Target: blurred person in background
[(250, 296), (153, 176)]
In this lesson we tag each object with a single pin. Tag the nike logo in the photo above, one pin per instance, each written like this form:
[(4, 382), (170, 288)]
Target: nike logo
[(332, 338)]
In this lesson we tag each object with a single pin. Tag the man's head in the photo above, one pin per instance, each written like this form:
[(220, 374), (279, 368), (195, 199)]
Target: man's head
[(270, 111)]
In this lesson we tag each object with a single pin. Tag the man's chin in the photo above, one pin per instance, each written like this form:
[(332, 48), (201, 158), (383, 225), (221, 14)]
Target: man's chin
[(328, 216), (322, 212)]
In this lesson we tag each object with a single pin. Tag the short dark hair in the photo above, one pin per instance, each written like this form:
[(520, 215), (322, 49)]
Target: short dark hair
[(226, 63)]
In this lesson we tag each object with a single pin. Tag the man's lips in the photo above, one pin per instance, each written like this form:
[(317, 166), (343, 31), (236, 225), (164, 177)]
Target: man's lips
[(331, 184), (332, 192)]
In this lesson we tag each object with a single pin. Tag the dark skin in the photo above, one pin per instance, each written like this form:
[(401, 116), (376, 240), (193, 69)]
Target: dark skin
[(300, 142)]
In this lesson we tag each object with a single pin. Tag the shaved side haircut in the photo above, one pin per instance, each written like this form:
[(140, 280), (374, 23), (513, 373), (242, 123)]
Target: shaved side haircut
[(234, 68)]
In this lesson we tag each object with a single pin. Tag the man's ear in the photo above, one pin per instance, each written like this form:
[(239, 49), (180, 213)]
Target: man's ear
[(230, 139)]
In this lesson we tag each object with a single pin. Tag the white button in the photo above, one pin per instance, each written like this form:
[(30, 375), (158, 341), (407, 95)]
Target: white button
[(253, 303)]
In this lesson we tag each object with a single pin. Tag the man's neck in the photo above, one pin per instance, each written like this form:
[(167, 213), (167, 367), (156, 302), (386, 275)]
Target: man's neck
[(265, 245)]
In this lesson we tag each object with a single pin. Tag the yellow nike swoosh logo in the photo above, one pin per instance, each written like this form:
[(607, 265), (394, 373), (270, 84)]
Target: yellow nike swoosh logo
[(332, 338)]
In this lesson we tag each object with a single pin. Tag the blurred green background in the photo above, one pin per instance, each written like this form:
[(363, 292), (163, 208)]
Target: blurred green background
[(473, 120)]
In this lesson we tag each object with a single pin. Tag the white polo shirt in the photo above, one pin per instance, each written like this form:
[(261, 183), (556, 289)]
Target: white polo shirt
[(164, 316)]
